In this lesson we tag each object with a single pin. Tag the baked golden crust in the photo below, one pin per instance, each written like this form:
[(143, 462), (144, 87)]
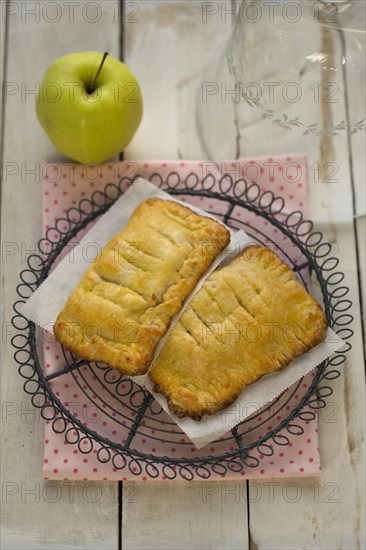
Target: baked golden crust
[(251, 317), (125, 301)]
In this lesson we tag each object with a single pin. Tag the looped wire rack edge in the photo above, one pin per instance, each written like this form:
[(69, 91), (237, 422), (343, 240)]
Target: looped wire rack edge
[(247, 441)]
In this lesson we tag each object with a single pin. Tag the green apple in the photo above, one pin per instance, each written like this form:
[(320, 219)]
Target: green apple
[(89, 105)]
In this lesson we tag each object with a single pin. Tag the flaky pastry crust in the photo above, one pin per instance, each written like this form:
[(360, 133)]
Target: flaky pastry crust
[(125, 301), (251, 317)]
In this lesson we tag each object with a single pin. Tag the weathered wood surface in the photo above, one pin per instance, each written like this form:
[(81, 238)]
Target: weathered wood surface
[(167, 44), (30, 519), (325, 512)]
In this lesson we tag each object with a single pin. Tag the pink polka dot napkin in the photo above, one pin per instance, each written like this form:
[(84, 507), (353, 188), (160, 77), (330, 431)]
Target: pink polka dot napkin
[(94, 395)]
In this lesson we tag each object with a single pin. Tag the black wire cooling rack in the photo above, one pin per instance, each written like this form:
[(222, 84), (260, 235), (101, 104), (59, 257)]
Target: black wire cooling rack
[(144, 439)]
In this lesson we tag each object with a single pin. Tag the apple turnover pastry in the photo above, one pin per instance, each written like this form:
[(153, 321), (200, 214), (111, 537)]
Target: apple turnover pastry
[(250, 317), (125, 301)]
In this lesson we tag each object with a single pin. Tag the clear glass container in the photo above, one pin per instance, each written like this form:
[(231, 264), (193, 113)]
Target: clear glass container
[(284, 73)]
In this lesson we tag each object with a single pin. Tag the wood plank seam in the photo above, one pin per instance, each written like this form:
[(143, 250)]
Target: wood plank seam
[(3, 61)]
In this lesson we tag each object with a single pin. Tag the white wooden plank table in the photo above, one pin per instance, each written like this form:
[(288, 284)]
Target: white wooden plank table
[(167, 44), (30, 519)]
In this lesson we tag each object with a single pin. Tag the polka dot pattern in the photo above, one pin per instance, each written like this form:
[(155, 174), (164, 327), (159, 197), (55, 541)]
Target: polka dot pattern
[(64, 186)]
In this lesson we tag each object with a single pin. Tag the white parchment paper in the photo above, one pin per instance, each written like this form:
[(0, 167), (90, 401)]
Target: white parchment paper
[(45, 304)]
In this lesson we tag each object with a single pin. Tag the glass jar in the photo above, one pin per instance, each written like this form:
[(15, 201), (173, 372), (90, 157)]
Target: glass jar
[(282, 76)]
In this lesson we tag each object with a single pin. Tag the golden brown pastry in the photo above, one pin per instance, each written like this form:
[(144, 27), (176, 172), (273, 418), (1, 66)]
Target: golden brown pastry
[(251, 317), (125, 301)]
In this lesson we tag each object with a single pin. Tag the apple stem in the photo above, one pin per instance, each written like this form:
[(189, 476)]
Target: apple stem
[(92, 87)]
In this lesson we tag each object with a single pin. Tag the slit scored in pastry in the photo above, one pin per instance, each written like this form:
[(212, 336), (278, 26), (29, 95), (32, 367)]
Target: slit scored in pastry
[(251, 317), (125, 301)]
